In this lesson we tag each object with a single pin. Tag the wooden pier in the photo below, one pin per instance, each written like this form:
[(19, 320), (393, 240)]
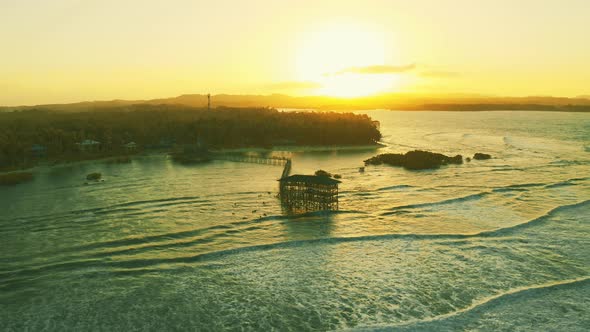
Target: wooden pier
[(286, 169), (275, 161), (309, 193), (303, 193), (298, 193)]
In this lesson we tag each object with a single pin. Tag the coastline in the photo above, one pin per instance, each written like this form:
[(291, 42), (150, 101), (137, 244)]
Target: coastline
[(303, 148), (450, 109), (151, 153)]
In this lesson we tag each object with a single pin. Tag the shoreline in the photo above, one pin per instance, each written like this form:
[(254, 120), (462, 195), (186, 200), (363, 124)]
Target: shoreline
[(354, 110), (303, 148), (151, 153)]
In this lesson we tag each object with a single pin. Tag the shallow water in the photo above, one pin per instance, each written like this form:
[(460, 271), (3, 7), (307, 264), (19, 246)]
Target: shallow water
[(491, 245)]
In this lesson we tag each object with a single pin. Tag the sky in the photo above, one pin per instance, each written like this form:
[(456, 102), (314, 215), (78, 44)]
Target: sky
[(73, 50)]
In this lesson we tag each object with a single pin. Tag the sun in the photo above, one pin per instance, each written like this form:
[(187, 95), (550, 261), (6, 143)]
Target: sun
[(329, 53)]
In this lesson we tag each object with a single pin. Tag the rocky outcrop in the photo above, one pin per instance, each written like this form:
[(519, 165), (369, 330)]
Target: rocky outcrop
[(415, 160), (191, 155), (93, 176), (481, 156)]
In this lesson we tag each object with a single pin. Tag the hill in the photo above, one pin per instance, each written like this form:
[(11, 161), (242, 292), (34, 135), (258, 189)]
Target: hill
[(411, 102)]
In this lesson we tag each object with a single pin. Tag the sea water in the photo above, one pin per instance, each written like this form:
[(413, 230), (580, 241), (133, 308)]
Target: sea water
[(500, 244)]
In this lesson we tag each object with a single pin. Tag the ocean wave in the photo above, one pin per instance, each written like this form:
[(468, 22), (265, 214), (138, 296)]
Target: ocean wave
[(539, 220), (7, 277), (395, 210), (560, 184), (174, 240), (482, 306), (401, 186), (34, 218), (526, 186), (539, 146), (362, 193), (75, 218), (519, 187), (563, 162), (506, 169), (579, 179), (161, 202), (504, 189)]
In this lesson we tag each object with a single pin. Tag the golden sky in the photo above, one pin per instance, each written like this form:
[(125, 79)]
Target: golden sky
[(72, 50)]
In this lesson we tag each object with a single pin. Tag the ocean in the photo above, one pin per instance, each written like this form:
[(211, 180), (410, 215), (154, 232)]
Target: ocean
[(489, 245)]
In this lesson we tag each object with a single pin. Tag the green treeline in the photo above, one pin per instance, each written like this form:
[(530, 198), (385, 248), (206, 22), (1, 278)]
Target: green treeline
[(28, 136)]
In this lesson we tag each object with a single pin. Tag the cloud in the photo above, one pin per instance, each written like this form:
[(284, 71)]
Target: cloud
[(377, 69), (439, 74), (422, 71), (294, 85)]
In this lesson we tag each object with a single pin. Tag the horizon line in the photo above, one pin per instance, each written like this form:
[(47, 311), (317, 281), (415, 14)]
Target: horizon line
[(457, 95)]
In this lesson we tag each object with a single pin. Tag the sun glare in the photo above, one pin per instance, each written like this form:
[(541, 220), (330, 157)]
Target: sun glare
[(330, 54)]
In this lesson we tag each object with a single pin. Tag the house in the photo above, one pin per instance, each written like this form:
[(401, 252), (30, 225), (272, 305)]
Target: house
[(130, 147), (309, 192), (38, 151), (88, 145)]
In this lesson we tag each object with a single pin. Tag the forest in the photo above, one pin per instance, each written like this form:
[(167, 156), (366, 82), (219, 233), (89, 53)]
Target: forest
[(40, 134)]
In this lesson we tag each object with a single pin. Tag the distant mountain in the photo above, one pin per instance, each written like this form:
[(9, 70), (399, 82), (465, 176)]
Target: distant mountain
[(398, 101)]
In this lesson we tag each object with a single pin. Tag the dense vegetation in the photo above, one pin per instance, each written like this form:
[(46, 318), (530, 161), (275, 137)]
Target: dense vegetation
[(415, 160), (164, 126)]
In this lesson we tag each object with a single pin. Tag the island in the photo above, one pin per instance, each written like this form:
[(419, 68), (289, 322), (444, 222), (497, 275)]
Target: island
[(481, 156), (414, 160), (32, 136), (94, 176)]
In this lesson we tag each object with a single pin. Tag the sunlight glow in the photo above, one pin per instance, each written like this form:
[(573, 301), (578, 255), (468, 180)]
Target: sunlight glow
[(329, 52), (357, 85)]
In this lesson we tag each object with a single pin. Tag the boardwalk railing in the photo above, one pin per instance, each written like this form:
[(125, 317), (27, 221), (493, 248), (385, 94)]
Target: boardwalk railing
[(286, 169), (277, 161)]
